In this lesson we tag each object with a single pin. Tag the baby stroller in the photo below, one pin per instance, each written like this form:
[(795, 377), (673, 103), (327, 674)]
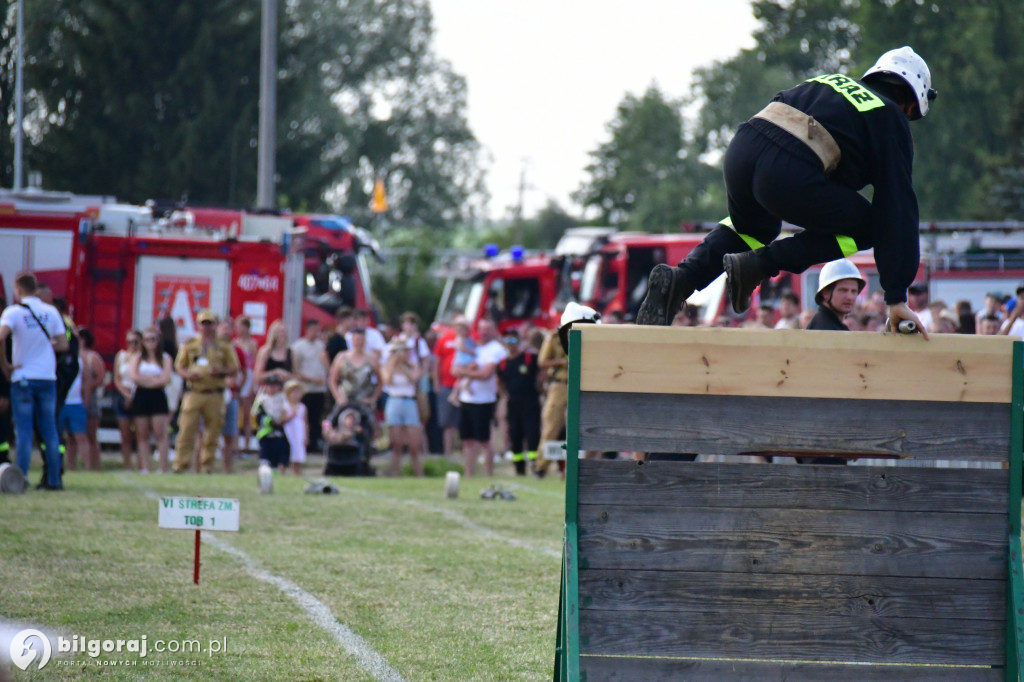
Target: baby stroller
[(347, 442)]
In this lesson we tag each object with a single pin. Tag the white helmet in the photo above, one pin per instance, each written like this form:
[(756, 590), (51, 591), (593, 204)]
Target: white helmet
[(575, 313), (909, 67), (836, 271)]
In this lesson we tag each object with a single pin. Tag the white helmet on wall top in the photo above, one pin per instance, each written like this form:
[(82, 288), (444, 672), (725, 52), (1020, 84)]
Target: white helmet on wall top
[(911, 69), (836, 271), (574, 314)]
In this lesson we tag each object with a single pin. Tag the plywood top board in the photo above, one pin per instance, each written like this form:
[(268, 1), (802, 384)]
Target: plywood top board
[(796, 363)]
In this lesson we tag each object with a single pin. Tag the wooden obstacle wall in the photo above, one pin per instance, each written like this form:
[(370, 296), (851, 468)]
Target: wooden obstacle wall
[(723, 571)]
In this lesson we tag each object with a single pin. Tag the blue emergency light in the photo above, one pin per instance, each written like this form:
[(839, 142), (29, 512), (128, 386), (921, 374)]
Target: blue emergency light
[(491, 250), (517, 253)]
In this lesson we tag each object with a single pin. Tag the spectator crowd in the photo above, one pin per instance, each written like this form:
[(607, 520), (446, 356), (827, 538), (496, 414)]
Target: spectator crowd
[(349, 391)]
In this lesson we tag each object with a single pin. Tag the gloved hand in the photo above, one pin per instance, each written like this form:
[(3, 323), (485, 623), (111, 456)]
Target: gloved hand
[(901, 311)]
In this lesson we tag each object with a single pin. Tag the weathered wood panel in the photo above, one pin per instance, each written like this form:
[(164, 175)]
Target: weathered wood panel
[(748, 486), (934, 545), (792, 595), (796, 363), (824, 638), (629, 669), (728, 425)]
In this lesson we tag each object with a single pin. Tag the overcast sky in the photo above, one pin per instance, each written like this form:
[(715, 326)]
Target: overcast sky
[(545, 76)]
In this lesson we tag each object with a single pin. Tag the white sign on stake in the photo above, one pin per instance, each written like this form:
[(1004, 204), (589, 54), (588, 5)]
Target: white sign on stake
[(199, 513)]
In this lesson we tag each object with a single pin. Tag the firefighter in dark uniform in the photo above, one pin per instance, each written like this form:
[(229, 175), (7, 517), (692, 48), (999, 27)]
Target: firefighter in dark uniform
[(518, 375), (839, 284), (803, 159)]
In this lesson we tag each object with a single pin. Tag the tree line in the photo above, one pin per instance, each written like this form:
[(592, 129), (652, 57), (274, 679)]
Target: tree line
[(659, 169), (147, 100)]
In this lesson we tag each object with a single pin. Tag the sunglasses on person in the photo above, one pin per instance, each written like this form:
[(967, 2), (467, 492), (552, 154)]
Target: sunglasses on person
[(511, 339), (147, 339)]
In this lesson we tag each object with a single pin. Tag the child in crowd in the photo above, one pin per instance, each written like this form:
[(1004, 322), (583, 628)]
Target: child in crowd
[(465, 356), (272, 413), (296, 428)]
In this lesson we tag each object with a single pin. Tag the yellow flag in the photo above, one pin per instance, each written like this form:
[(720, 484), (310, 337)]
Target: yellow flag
[(380, 201)]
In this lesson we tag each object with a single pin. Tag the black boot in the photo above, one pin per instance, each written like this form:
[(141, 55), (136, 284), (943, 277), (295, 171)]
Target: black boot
[(667, 288), (744, 272)]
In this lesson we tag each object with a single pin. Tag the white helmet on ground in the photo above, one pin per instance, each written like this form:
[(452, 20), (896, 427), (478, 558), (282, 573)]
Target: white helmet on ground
[(911, 69), (836, 271), (575, 313)]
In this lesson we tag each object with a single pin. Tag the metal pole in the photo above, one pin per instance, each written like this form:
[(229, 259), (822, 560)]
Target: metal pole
[(268, 106), (19, 97)]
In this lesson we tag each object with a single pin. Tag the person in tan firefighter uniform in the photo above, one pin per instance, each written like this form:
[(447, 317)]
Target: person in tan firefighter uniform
[(804, 158), (205, 362), (554, 358)]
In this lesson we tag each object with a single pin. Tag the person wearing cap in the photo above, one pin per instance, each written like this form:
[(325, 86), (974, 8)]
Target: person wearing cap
[(271, 412), (839, 284), (518, 378), (1014, 322), (917, 299), (804, 159), (205, 362)]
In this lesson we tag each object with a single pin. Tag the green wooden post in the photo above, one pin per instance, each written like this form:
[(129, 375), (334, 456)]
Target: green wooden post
[(1015, 592), (570, 605)]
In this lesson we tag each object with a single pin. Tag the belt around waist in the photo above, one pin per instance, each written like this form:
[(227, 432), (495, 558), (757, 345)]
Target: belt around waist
[(210, 390), (401, 397), (806, 129)]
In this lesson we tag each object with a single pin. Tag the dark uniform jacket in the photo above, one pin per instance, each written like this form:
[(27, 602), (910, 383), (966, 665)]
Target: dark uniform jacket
[(877, 148), (827, 320)]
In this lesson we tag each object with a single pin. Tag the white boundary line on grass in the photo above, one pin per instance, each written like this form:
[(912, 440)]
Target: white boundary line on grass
[(459, 519), (368, 659)]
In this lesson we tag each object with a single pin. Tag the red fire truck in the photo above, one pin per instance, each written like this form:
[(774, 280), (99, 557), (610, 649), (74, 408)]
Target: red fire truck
[(510, 288), (124, 266), (959, 261)]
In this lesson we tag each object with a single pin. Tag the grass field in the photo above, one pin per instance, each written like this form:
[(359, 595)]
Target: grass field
[(387, 580)]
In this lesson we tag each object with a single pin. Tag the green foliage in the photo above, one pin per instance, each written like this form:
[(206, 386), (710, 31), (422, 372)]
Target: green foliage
[(143, 100), (655, 173), (644, 178), (407, 282)]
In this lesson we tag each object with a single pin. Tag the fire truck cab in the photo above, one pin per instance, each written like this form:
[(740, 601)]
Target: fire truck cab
[(123, 266), (509, 288)]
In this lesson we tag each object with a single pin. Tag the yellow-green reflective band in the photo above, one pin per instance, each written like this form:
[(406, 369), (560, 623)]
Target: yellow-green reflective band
[(856, 94), (747, 239), (4, 447), (750, 241), (531, 455), (847, 245), (517, 457)]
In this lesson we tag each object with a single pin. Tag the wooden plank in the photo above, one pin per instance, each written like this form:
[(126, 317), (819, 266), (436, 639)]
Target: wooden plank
[(935, 545), (805, 595), (649, 669), (725, 425), (823, 638), (796, 363), (750, 486)]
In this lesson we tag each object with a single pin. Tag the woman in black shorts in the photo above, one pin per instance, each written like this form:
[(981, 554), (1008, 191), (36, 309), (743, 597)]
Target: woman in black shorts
[(151, 372)]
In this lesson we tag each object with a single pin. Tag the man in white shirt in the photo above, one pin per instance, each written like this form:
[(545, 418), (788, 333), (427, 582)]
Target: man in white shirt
[(479, 398), (38, 334), (375, 342), (308, 364)]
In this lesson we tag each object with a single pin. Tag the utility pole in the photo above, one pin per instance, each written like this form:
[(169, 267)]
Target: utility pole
[(268, 107), (19, 97)]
